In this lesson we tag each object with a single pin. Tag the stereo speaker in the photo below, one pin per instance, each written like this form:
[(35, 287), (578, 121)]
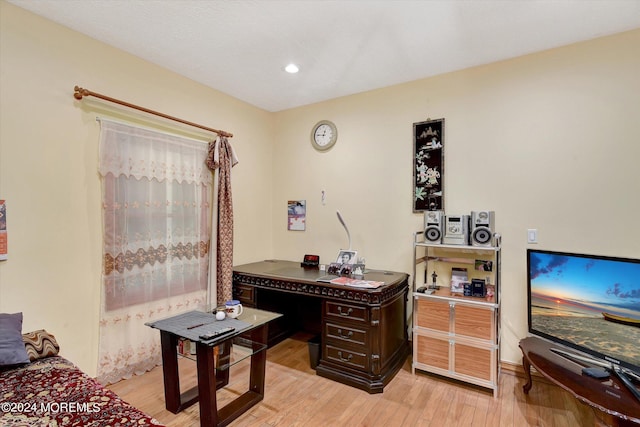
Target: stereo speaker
[(482, 228), (433, 226)]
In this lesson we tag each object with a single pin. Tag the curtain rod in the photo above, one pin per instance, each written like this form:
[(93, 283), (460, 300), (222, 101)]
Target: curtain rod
[(79, 93)]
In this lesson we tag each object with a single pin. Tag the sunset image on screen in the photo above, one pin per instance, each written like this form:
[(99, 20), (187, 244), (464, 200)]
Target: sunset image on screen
[(586, 301)]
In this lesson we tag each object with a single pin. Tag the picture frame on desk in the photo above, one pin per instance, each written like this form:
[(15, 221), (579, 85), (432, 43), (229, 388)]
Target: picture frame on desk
[(334, 268), (358, 271), (346, 257), (346, 269)]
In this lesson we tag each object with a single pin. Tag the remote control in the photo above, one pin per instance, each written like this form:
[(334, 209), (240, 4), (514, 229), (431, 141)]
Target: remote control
[(215, 334), (626, 381)]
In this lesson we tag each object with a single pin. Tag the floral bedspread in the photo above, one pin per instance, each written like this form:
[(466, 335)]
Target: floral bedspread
[(53, 392)]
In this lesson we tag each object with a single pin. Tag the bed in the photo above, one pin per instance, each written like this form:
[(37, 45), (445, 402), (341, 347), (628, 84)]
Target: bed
[(46, 389)]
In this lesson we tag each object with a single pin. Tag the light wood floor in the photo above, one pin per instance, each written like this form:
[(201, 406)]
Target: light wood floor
[(295, 396)]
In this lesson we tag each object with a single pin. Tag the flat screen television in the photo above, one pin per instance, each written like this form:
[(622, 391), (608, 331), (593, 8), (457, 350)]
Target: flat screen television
[(586, 302)]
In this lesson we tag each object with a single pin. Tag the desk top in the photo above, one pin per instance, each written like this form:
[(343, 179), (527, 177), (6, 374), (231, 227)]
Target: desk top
[(291, 277), (293, 270)]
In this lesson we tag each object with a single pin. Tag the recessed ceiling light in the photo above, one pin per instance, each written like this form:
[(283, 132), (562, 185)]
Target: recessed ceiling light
[(291, 68)]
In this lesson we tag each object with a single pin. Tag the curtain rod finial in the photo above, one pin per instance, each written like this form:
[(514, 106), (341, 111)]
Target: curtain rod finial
[(79, 92)]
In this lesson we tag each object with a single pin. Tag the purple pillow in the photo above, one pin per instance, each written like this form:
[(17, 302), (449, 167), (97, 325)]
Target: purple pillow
[(12, 350)]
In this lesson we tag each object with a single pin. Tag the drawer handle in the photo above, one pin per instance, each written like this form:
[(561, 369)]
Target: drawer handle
[(345, 359), (348, 335), (239, 291), (349, 311)]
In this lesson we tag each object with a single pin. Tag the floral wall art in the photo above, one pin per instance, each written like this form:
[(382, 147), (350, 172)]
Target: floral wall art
[(428, 171)]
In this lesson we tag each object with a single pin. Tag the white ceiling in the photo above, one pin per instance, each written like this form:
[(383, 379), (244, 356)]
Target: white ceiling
[(344, 47)]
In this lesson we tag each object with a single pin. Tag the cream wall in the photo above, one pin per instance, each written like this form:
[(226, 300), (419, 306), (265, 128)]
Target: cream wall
[(48, 168), (548, 141), (539, 139)]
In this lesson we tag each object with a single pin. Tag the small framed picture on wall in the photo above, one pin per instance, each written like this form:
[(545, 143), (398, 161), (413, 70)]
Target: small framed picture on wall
[(296, 215)]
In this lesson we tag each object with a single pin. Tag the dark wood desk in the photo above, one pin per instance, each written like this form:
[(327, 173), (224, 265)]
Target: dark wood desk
[(363, 332), (613, 403), (210, 375)]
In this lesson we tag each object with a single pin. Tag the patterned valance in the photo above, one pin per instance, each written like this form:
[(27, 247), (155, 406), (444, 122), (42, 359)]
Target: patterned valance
[(130, 152)]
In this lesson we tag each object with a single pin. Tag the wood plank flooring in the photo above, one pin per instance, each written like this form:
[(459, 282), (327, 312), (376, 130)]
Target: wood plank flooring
[(295, 396)]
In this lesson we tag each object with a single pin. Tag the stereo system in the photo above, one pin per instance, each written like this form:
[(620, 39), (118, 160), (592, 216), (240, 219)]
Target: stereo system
[(456, 230), (477, 229)]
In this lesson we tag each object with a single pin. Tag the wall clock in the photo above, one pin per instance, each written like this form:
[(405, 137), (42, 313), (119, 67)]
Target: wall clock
[(324, 135)]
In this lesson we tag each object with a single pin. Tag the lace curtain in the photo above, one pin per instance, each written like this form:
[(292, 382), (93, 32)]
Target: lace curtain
[(156, 219)]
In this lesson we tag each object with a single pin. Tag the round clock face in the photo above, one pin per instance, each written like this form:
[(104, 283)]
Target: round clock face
[(323, 135)]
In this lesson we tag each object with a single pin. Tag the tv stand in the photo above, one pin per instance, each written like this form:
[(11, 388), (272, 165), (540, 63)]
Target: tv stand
[(613, 403)]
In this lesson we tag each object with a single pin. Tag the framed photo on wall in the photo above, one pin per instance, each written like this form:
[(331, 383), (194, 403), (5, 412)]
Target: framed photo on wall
[(428, 165), (296, 215)]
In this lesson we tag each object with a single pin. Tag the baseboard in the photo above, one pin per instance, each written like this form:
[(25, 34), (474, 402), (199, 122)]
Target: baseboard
[(512, 369), (518, 371)]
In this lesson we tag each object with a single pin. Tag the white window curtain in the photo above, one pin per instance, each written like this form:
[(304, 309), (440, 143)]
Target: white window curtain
[(156, 219)]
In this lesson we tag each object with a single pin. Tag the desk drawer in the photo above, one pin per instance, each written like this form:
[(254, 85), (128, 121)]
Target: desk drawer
[(350, 358), (245, 294), (346, 334), (342, 311)]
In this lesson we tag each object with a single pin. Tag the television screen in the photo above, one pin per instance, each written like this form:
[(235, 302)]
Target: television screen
[(590, 303)]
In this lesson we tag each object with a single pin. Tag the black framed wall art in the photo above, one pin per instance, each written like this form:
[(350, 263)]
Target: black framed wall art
[(428, 165)]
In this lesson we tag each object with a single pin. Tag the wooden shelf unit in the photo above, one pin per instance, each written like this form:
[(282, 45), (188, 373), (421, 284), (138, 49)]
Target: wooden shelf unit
[(454, 335)]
